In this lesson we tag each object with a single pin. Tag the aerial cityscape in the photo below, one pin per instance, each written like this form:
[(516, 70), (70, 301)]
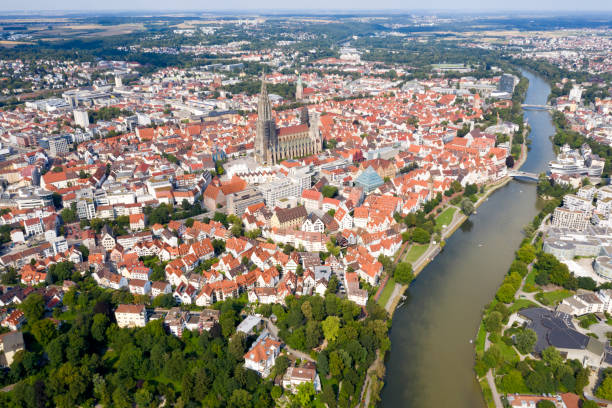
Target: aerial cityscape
[(340, 207)]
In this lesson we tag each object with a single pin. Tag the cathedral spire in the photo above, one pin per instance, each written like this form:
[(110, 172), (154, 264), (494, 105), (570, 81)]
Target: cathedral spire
[(264, 111)]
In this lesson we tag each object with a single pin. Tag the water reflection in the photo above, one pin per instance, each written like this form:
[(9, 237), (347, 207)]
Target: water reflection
[(467, 225)]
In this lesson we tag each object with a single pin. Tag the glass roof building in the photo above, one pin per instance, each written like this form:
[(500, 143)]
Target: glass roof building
[(369, 180)]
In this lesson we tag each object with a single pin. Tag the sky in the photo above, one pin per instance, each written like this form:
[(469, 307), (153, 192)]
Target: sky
[(347, 5)]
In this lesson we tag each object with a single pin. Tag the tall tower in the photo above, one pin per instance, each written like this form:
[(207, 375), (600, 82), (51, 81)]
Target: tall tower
[(266, 141)]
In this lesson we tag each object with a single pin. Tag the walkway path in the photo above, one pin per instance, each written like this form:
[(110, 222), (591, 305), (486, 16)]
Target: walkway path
[(366, 386), (496, 396), (392, 299)]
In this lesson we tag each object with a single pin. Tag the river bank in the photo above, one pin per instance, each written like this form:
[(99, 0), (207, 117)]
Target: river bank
[(432, 358), (458, 220)]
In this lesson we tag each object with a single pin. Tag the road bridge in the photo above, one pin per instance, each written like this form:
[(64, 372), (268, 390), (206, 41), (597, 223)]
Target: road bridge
[(536, 107), (524, 175)]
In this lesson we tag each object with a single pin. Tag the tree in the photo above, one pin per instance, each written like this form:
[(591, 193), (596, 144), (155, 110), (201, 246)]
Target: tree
[(44, 331), (493, 357), (589, 404), (604, 390), (33, 307), (467, 206), (331, 327), (305, 393), (510, 161), (552, 357), (165, 301), (526, 254), (470, 190), (420, 236), (513, 382), (276, 392), (403, 273), (505, 293), (493, 322), (237, 345), (519, 267), (68, 215), (98, 327), (84, 251), (545, 404), (526, 340), (240, 399), (329, 191), (10, 276)]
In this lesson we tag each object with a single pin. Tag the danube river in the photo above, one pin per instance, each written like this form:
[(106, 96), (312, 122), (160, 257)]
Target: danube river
[(431, 357)]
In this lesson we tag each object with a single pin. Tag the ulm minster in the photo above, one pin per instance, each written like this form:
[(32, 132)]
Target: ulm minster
[(273, 145)]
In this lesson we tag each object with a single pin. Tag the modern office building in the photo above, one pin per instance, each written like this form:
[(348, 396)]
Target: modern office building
[(238, 202), (369, 180), (506, 83)]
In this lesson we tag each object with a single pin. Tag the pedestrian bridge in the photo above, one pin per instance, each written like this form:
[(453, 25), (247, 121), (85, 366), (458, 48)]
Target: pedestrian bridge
[(537, 107), (524, 175)]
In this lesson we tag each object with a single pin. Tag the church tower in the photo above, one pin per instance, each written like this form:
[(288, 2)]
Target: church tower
[(266, 137)]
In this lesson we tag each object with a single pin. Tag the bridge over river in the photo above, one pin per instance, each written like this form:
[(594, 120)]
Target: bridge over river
[(533, 106), (524, 175)]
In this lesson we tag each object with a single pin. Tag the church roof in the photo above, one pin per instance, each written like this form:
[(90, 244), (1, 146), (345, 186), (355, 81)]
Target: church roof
[(292, 130)]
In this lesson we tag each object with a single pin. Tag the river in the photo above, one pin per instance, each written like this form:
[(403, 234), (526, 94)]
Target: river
[(431, 359)]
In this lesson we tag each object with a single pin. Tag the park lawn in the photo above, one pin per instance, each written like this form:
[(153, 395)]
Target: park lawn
[(520, 304), (508, 352), (415, 252), (386, 293), (445, 217), (480, 339), (530, 285), (554, 297)]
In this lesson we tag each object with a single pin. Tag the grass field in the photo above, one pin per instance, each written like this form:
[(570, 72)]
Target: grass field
[(554, 297), (510, 355), (445, 217), (530, 285), (520, 304), (480, 339), (415, 252), (386, 293)]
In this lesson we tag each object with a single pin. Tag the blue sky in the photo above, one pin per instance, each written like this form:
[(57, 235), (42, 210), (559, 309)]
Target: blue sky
[(203, 5)]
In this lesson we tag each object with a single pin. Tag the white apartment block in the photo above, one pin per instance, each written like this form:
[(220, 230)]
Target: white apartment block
[(86, 210), (576, 220), (574, 203), (131, 316), (277, 190)]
